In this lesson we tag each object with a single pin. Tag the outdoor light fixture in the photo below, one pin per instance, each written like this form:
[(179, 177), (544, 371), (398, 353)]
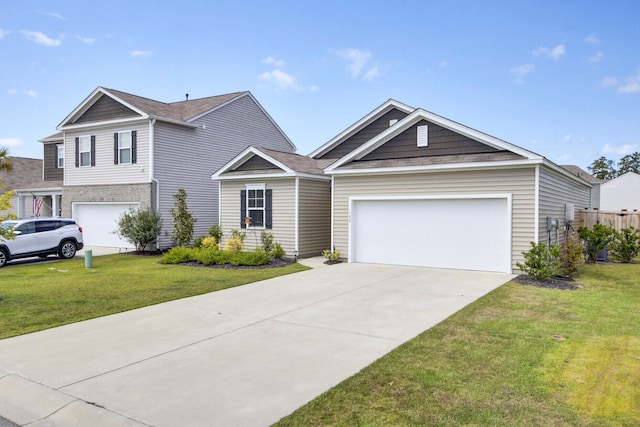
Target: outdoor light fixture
[(295, 256)]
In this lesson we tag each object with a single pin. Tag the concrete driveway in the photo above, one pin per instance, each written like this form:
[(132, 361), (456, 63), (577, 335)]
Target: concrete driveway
[(245, 356)]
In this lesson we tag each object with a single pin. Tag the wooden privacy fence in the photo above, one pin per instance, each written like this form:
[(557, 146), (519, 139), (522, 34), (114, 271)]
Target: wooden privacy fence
[(616, 220)]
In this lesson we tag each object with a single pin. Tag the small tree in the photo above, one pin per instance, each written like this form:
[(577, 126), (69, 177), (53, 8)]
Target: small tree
[(572, 255), (5, 199), (183, 221), (140, 228), (596, 240), (541, 262), (625, 245)]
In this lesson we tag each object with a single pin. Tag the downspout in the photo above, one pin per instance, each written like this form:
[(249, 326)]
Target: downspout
[(296, 218), (333, 195), (536, 204), (152, 177)]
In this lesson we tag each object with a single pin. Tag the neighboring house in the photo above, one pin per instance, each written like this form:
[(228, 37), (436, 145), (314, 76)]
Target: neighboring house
[(595, 182), (621, 193), (27, 173), (117, 151), (413, 188), (282, 193)]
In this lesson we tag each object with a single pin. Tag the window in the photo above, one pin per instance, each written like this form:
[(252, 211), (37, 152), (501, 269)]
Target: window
[(60, 156), (255, 207), (423, 136), (124, 147), (85, 150)]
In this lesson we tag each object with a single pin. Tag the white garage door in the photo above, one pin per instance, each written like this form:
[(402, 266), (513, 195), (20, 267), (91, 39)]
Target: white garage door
[(98, 222), (460, 233)]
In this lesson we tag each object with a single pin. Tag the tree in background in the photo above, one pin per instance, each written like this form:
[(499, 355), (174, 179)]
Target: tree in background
[(183, 221), (5, 199), (604, 168)]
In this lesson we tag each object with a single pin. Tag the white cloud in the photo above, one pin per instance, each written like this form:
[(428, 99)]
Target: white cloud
[(278, 63), (371, 74), (596, 58), (608, 82), (592, 39), (12, 91), (56, 15), (632, 85), (619, 149), (281, 79), (140, 53), (313, 88), (522, 70), (86, 40), (40, 38), (355, 59), (4, 33), (10, 142), (553, 53), (30, 92)]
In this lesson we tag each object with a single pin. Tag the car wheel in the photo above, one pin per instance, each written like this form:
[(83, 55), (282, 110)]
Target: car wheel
[(3, 258), (67, 249)]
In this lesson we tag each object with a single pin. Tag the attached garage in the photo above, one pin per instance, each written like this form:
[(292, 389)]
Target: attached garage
[(460, 232), (99, 223)]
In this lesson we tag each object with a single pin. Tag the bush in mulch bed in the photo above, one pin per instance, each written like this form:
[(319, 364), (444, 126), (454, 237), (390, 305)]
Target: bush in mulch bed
[(564, 283)]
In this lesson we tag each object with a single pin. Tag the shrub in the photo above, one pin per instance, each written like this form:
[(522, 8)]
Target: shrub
[(257, 257), (625, 245), (572, 255), (234, 244), (198, 242), (209, 243), (211, 257), (331, 256), (140, 228), (180, 254), (541, 261), (277, 251), (596, 239), (216, 231), (183, 221), (267, 241), (235, 234)]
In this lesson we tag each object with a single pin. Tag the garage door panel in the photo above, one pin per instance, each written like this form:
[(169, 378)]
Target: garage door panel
[(472, 234), (99, 223)]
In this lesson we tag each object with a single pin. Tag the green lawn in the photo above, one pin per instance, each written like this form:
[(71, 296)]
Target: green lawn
[(520, 356), (40, 296)]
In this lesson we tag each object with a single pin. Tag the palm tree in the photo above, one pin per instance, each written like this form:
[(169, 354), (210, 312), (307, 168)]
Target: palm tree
[(5, 163)]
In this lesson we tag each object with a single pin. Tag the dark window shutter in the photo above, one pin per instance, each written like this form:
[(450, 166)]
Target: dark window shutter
[(115, 148), (243, 208), (93, 150), (77, 152), (134, 146), (267, 209)]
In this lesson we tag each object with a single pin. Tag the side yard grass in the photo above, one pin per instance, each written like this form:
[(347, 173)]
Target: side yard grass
[(44, 295), (519, 356)]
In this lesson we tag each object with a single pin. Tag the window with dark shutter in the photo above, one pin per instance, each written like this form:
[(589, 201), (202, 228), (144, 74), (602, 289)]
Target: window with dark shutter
[(93, 150), (268, 222), (115, 148), (77, 152), (134, 146), (243, 208)]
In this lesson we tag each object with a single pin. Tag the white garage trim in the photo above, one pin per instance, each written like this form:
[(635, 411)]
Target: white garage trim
[(100, 231), (467, 257)]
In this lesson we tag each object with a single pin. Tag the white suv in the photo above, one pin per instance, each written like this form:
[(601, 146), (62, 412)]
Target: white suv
[(41, 237)]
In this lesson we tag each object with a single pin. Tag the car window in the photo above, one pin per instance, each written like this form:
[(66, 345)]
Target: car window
[(46, 225), (26, 228), (8, 224)]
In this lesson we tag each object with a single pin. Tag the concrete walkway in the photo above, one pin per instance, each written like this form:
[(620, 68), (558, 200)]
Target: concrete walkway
[(245, 356)]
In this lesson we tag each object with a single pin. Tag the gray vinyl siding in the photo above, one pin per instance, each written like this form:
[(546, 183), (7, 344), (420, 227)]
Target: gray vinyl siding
[(283, 202), (105, 172), (105, 108), (51, 171), (442, 142), (186, 158), (555, 191), (314, 217), (256, 163), (519, 182), (365, 134)]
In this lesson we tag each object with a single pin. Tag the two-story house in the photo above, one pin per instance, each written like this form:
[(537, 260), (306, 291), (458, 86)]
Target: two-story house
[(117, 151)]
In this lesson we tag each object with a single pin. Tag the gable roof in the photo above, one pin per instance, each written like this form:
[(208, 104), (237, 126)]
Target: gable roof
[(182, 112), (25, 172), (581, 173), (287, 164), (361, 124), (415, 117)]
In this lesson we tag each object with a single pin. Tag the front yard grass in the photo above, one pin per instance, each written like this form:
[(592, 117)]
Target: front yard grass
[(519, 356), (44, 295)]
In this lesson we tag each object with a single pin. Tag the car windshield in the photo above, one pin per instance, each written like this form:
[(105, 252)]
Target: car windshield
[(7, 224)]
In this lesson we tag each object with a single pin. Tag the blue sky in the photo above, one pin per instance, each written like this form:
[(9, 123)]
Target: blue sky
[(560, 78)]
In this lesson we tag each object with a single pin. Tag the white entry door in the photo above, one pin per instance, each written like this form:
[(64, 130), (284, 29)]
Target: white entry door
[(471, 233)]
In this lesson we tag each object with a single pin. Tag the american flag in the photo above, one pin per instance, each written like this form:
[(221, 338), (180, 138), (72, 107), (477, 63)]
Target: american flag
[(37, 205)]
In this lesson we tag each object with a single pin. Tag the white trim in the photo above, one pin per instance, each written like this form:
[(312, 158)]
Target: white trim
[(120, 148), (271, 175), (296, 225), (360, 124), (152, 149), (536, 210), (435, 168), (107, 123), (91, 159), (256, 186), (508, 225)]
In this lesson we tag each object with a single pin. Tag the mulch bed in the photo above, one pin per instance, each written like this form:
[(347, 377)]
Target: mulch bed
[(564, 283), (274, 263)]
